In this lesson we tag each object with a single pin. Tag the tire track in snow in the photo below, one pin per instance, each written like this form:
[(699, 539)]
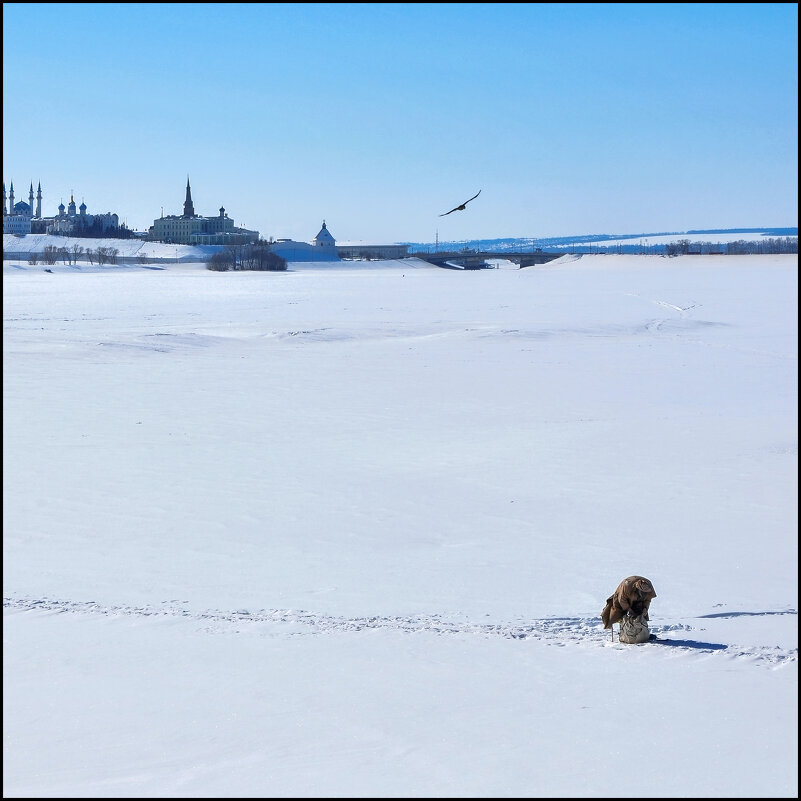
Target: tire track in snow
[(559, 631)]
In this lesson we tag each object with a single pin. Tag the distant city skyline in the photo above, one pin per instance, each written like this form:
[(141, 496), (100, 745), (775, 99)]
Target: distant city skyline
[(591, 118)]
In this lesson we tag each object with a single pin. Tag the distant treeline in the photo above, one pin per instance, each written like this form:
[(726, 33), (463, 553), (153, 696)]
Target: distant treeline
[(96, 231), (71, 255), (684, 247)]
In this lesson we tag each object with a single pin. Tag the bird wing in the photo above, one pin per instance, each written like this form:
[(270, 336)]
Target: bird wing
[(458, 208)]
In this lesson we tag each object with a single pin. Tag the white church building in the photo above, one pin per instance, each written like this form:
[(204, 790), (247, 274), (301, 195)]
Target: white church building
[(321, 248)]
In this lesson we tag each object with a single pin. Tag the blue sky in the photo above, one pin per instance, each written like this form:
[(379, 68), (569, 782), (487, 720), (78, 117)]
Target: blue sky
[(571, 118)]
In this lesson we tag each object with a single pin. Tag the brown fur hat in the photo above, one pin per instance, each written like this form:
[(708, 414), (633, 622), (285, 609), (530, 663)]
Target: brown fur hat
[(633, 596)]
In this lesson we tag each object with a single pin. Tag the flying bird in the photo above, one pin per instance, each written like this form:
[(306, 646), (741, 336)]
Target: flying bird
[(462, 207)]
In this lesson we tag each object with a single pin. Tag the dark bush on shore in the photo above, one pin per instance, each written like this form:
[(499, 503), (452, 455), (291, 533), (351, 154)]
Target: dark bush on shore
[(248, 257)]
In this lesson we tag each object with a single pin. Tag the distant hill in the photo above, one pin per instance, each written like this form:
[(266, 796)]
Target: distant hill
[(621, 243), (760, 231)]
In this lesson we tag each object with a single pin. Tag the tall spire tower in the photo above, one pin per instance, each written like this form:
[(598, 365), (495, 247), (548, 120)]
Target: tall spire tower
[(39, 201), (189, 208)]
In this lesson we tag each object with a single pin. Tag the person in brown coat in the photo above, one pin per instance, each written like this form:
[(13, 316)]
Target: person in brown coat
[(632, 598)]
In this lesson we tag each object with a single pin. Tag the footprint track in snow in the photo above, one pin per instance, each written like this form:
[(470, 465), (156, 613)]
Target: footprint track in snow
[(558, 631)]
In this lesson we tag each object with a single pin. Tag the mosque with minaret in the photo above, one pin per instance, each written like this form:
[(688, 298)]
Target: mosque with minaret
[(17, 217), (25, 218)]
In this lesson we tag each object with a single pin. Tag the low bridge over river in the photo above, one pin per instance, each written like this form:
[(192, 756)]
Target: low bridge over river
[(477, 260)]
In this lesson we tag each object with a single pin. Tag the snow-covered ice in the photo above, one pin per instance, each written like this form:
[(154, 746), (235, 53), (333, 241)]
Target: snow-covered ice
[(347, 530)]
